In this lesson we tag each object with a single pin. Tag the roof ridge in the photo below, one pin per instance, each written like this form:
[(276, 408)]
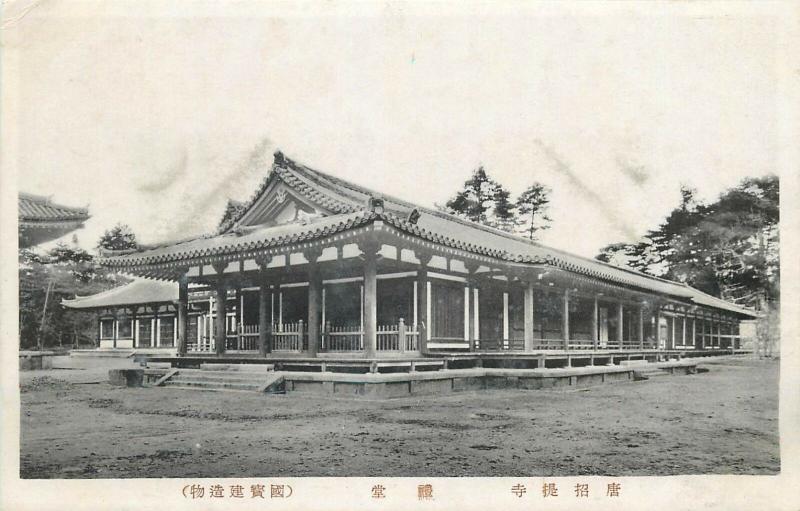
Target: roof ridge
[(104, 292), (464, 221), (47, 200), (341, 192)]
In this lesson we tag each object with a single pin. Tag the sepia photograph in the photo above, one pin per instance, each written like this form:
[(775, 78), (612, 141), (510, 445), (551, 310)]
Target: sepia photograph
[(260, 243)]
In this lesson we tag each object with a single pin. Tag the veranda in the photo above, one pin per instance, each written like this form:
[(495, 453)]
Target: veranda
[(371, 294)]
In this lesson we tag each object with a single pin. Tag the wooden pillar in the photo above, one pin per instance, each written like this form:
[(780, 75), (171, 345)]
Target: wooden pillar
[(472, 305), (239, 302), (702, 332), (370, 250), (657, 329), (134, 328), (683, 328), (314, 301), (641, 327), (528, 316), (401, 335), (694, 330), (264, 309), (116, 329), (183, 313), (506, 329), (153, 326), (220, 330), (565, 320), (264, 324), (595, 321), (423, 323), (620, 324)]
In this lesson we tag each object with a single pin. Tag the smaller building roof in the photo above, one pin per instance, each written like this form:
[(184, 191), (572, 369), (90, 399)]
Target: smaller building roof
[(140, 291), (37, 208), (41, 220)]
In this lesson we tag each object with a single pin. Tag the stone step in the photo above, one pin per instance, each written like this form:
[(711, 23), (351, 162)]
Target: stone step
[(208, 389), (100, 353), (218, 379), (634, 363), (646, 374), (269, 382), (225, 374), (223, 385), (241, 368)]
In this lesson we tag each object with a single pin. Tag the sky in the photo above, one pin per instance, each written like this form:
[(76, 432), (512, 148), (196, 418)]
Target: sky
[(152, 116)]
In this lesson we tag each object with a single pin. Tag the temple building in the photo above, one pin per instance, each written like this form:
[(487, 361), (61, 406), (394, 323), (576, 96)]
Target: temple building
[(316, 267), (41, 220)]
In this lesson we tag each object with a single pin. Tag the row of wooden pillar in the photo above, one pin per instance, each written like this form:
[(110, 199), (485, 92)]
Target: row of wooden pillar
[(370, 257), (529, 326)]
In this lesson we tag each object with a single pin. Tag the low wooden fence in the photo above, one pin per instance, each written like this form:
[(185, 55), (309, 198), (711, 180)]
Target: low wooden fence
[(289, 337), (398, 338)]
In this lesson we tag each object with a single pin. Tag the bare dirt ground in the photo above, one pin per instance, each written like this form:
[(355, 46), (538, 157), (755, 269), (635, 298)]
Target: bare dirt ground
[(724, 421)]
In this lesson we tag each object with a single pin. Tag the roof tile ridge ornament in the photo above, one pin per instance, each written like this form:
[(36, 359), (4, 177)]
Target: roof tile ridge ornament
[(278, 161), (376, 204)]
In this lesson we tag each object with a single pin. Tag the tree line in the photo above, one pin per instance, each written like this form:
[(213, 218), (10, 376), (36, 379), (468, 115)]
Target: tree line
[(63, 272), (485, 201), (728, 248)]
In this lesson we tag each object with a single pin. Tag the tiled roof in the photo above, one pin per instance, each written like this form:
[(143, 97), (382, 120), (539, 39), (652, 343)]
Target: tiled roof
[(349, 201), (234, 242), (233, 209), (466, 234), (139, 291), (35, 208)]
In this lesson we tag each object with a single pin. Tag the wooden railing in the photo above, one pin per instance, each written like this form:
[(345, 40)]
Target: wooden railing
[(723, 341), (582, 344), (205, 344), (289, 337), (412, 338), (500, 344), (248, 338), (342, 338), (388, 338), (397, 337), (548, 344)]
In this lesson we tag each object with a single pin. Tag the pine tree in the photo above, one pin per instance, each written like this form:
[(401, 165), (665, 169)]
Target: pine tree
[(484, 201), (727, 248), (120, 237), (532, 208)]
